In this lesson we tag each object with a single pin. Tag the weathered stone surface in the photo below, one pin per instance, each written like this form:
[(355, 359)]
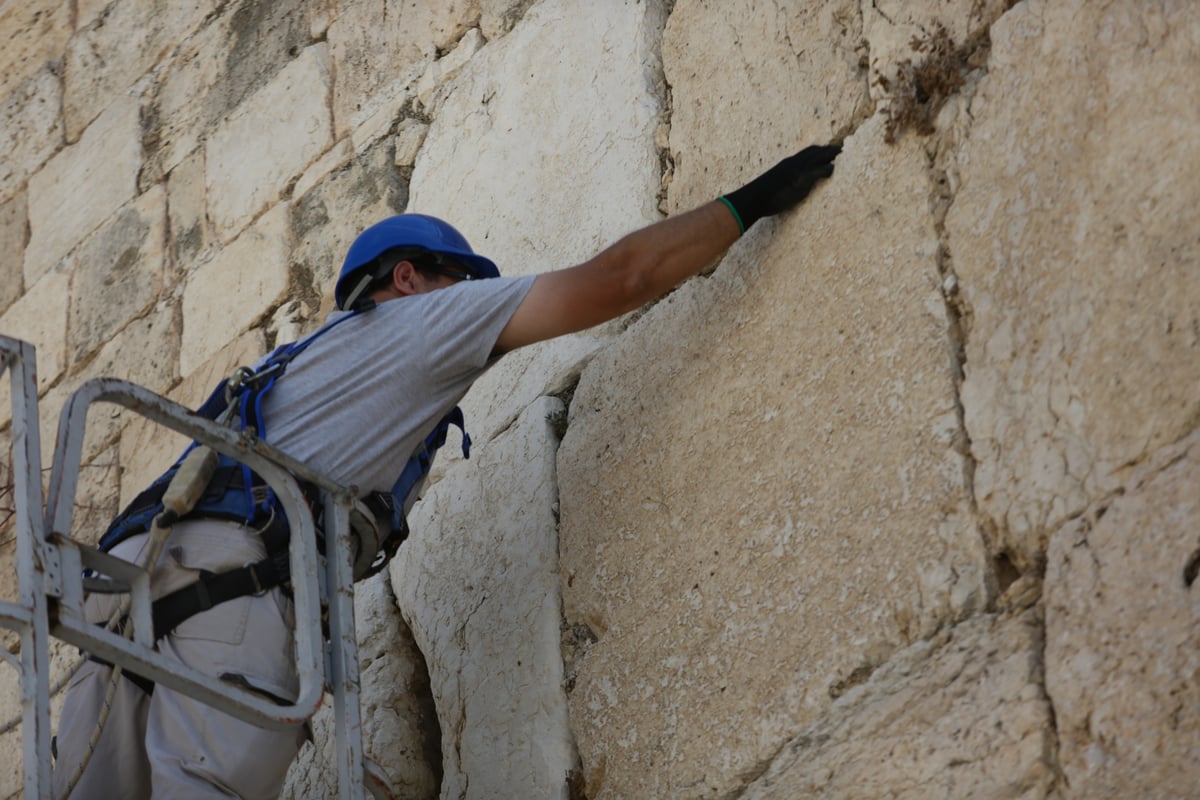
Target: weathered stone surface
[(334, 159), (118, 47), (188, 235), (386, 107), (88, 11), (217, 68), (502, 393), (1075, 244), (96, 497), (440, 72), (187, 102), (478, 584), (35, 32), (39, 317), (498, 17), (268, 141), (145, 352), (382, 44), (326, 220), (62, 657), (959, 715), (82, 186), (30, 129), (752, 83), (117, 272), (147, 448), (760, 495), (394, 699), (410, 135), (1122, 648), (14, 232), (241, 283), (503, 158)]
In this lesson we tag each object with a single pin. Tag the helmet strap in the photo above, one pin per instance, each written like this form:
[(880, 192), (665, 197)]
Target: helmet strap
[(368, 277)]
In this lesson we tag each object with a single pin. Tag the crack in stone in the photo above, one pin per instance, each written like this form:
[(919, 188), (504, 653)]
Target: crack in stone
[(421, 687), (879, 11)]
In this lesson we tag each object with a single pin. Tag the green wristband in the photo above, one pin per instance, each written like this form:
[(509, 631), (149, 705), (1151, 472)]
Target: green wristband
[(734, 211)]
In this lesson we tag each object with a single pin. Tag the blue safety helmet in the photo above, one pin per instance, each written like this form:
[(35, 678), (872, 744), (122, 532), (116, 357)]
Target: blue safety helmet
[(414, 231)]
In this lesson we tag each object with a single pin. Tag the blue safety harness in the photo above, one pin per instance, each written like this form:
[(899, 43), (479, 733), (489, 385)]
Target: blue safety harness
[(237, 494)]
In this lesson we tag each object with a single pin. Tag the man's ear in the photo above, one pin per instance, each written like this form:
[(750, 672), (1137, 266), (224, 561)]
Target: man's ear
[(404, 278)]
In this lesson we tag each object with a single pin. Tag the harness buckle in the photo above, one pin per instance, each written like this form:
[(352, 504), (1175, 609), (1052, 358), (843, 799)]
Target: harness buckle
[(259, 591)]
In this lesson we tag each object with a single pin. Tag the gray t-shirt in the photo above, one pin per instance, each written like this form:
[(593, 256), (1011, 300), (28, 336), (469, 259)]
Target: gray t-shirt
[(359, 400)]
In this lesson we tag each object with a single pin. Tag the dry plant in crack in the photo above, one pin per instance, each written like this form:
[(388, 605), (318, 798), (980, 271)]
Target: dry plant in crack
[(919, 90)]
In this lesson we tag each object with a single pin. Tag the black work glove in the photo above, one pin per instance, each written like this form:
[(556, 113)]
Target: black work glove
[(782, 186)]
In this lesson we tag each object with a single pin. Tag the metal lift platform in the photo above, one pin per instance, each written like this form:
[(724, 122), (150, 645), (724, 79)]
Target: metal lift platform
[(51, 586)]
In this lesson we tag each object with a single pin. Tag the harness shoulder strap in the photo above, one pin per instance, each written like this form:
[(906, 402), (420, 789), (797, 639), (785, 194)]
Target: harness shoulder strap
[(235, 493)]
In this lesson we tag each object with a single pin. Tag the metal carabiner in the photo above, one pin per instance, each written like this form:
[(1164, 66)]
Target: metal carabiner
[(236, 382)]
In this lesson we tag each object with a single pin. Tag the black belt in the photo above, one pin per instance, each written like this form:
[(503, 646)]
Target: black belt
[(209, 590), (212, 589)]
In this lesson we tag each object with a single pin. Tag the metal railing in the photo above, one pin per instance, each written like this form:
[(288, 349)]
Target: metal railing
[(50, 569)]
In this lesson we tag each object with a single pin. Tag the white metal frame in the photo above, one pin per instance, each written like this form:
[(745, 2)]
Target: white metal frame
[(50, 567)]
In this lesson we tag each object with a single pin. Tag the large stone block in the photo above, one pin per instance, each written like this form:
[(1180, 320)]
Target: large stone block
[(82, 186), (379, 45), (503, 159), (63, 657), (400, 734), (189, 234), (754, 82), (117, 272), (117, 48), (215, 69), (30, 129), (326, 220), (1122, 648), (478, 584), (14, 232), (240, 284), (35, 32), (960, 715), (268, 141), (40, 318), (96, 496), (761, 498), (145, 352), (1073, 234)]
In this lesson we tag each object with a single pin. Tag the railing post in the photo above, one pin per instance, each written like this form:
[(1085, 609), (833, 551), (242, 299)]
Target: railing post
[(343, 673), (20, 359)]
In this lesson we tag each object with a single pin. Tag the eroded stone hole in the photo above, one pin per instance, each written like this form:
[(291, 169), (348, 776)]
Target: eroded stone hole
[(1191, 568), (575, 640), (859, 675), (1006, 572)]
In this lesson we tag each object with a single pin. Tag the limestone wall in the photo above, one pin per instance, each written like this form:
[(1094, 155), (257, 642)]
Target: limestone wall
[(899, 500)]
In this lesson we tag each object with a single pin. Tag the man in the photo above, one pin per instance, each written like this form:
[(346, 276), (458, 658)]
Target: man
[(421, 317)]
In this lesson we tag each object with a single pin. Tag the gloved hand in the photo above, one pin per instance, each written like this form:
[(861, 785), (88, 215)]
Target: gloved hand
[(783, 185)]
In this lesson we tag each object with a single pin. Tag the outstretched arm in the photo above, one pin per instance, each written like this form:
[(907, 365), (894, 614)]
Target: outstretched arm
[(647, 263)]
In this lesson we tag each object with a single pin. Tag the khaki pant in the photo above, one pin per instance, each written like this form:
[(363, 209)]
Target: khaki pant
[(164, 744)]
